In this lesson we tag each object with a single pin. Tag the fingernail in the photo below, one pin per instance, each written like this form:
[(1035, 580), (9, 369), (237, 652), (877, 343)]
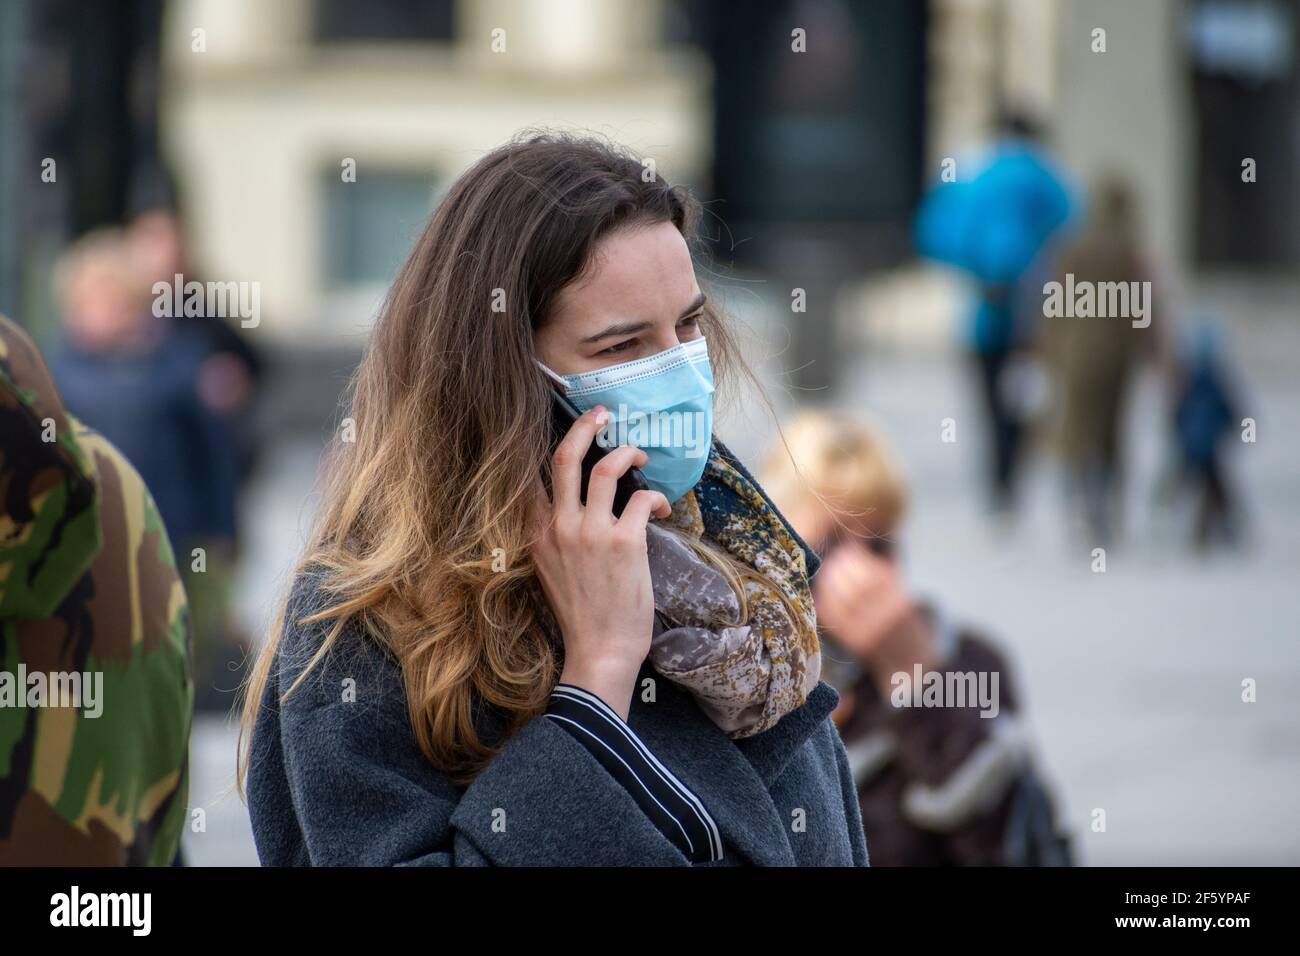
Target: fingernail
[(602, 417)]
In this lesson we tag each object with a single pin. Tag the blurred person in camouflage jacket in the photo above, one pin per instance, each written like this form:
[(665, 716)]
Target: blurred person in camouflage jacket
[(89, 589)]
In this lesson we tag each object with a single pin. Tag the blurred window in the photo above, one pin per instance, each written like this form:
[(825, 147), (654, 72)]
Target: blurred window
[(1245, 86), (345, 20), (831, 137), (370, 224), (1254, 41)]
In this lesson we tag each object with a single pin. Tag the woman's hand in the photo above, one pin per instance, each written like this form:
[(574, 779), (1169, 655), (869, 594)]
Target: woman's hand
[(593, 566)]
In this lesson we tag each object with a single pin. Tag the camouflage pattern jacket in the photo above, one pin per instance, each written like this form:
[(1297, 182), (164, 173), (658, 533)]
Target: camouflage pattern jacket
[(96, 697)]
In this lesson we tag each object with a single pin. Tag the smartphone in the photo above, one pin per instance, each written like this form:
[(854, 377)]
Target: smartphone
[(565, 413)]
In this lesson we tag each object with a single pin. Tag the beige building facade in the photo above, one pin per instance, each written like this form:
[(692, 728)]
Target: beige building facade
[(262, 119)]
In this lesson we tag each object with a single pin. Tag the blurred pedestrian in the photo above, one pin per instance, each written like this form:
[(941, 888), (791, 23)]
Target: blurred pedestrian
[(1093, 357), (231, 373), (135, 377), (1205, 412), (90, 600), (993, 224), (946, 783)]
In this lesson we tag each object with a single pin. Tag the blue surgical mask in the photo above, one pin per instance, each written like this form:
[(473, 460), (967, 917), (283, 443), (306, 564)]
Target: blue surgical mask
[(663, 404)]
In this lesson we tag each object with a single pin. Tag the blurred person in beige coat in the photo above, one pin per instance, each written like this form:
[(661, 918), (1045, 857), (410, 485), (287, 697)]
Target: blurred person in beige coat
[(1092, 357)]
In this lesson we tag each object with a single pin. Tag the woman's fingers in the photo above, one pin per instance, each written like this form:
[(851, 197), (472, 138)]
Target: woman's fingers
[(639, 508), (566, 462), (603, 484)]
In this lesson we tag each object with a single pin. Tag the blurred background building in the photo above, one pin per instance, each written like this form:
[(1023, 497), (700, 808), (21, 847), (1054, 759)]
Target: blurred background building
[(811, 166)]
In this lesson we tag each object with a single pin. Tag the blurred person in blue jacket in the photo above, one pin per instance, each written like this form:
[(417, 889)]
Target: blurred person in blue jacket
[(134, 377), (233, 370), (1205, 412), (992, 221)]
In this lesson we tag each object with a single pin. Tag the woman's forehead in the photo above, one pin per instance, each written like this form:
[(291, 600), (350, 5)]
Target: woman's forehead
[(639, 273)]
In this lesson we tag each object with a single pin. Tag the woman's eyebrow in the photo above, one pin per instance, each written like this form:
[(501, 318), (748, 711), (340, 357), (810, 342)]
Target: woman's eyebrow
[(624, 328), (696, 304)]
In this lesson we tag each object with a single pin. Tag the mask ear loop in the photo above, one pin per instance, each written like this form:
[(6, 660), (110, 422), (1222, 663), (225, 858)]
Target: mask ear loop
[(558, 380)]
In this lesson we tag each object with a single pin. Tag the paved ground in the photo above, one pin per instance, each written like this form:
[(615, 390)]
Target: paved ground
[(1133, 677)]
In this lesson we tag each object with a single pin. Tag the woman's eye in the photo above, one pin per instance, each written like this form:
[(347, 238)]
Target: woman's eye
[(690, 322), (620, 347)]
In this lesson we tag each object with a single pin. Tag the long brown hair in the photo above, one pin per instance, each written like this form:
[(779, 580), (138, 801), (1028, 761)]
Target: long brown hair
[(451, 417)]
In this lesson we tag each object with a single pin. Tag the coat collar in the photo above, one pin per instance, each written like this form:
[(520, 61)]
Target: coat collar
[(732, 778), (770, 751)]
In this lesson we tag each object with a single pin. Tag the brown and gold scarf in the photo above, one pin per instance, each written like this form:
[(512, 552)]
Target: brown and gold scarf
[(745, 677)]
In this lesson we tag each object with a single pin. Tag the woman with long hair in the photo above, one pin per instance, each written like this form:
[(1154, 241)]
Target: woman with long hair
[(483, 659)]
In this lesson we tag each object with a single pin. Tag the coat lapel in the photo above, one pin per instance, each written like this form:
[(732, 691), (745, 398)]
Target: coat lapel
[(732, 778), (769, 752)]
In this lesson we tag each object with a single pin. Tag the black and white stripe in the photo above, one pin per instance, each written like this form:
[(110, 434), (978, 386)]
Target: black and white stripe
[(679, 814)]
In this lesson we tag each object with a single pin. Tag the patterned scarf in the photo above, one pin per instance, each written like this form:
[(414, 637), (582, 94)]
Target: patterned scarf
[(745, 677)]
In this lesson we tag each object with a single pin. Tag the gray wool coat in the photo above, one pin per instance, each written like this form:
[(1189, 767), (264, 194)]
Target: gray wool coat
[(338, 779)]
